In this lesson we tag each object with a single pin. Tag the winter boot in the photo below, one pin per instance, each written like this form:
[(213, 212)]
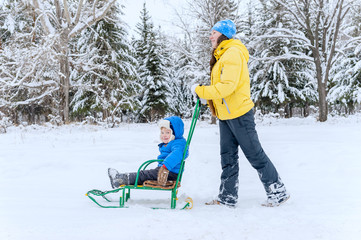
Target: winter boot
[(276, 194), (216, 202), (117, 179)]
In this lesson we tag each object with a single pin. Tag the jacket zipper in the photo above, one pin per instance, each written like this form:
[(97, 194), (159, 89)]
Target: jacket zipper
[(224, 101)]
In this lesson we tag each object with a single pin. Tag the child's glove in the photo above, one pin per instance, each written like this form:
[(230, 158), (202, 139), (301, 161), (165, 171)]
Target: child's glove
[(162, 176)]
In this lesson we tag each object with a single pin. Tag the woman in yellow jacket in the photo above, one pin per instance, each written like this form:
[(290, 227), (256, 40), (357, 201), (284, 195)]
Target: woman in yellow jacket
[(229, 98)]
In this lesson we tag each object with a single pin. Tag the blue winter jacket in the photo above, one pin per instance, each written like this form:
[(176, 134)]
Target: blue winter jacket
[(172, 153)]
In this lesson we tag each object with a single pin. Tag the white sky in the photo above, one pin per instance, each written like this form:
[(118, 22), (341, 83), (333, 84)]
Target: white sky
[(161, 12)]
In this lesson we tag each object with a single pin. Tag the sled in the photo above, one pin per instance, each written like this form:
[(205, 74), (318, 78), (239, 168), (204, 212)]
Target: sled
[(171, 186)]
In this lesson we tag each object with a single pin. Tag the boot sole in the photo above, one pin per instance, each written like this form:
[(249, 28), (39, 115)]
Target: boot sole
[(275, 205)]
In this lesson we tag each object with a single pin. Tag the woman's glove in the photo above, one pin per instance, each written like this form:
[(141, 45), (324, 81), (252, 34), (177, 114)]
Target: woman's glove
[(195, 96), (193, 90), (162, 176)]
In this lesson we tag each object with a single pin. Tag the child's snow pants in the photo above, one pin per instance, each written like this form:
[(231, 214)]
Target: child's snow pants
[(151, 174)]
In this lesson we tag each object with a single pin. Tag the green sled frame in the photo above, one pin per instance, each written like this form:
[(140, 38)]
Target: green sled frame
[(125, 189)]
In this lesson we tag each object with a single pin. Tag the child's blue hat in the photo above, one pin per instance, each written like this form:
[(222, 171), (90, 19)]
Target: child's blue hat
[(226, 27)]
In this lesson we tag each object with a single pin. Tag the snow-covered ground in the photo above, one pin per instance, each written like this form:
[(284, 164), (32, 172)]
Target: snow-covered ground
[(46, 171)]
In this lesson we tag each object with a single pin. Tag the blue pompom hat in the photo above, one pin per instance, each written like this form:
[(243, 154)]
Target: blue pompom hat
[(226, 27)]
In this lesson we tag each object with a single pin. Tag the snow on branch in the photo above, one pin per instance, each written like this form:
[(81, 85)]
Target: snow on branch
[(298, 15), (287, 56), (78, 11), (66, 12), (287, 34), (85, 15), (35, 99), (39, 8), (97, 15)]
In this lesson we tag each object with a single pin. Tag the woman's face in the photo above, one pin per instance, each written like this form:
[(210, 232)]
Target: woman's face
[(214, 37)]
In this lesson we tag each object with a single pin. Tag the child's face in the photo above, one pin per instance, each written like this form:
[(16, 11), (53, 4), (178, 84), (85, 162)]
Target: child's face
[(165, 135)]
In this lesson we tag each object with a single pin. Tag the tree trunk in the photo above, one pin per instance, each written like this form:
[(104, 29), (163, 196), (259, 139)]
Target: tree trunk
[(64, 89), (64, 81), (306, 110), (321, 87), (323, 111), (287, 111)]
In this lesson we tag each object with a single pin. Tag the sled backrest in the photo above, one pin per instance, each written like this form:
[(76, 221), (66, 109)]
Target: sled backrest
[(189, 139)]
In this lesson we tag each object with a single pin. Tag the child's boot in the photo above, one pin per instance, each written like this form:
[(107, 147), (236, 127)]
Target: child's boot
[(117, 179)]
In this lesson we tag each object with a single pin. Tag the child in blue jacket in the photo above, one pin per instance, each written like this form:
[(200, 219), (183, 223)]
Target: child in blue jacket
[(171, 151)]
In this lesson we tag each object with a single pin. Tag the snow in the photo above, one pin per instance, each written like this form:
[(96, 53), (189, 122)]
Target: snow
[(9, 24), (45, 172)]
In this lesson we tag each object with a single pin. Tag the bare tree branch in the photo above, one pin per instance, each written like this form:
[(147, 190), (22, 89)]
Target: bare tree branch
[(66, 12), (284, 57), (57, 9), (337, 29), (94, 7), (78, 12), (302, 24), (299, 11)]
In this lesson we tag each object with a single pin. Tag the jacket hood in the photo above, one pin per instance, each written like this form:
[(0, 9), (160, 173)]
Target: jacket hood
[(228, 44), (177, 126)]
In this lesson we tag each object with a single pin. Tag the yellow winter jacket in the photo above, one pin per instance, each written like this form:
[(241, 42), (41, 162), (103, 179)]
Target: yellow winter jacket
[(230, 84)]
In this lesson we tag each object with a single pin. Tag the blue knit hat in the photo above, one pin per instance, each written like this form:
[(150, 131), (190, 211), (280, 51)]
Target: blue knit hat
[(226, 27)]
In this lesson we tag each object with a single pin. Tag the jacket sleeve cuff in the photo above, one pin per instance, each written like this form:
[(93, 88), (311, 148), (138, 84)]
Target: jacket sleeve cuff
[(198, 90)]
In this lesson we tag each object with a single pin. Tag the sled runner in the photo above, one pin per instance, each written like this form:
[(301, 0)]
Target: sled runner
[(171, 186)]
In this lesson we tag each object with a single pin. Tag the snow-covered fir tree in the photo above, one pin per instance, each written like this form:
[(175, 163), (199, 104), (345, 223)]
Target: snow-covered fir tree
[(153, 97), (47, 33), (104, 78), (180, 75), (281, 76), (64, 20), (345, 89), (247, 21), (318, 27)]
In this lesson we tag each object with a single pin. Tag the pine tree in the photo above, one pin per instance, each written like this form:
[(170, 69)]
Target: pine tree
[(345, 93), (16, 17), (318, 26), (279, 79), (180, 75), (150, 70), (104, 77), (64, 20)]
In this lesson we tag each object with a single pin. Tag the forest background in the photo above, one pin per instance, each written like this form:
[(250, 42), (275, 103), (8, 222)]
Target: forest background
[(76, 61)]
